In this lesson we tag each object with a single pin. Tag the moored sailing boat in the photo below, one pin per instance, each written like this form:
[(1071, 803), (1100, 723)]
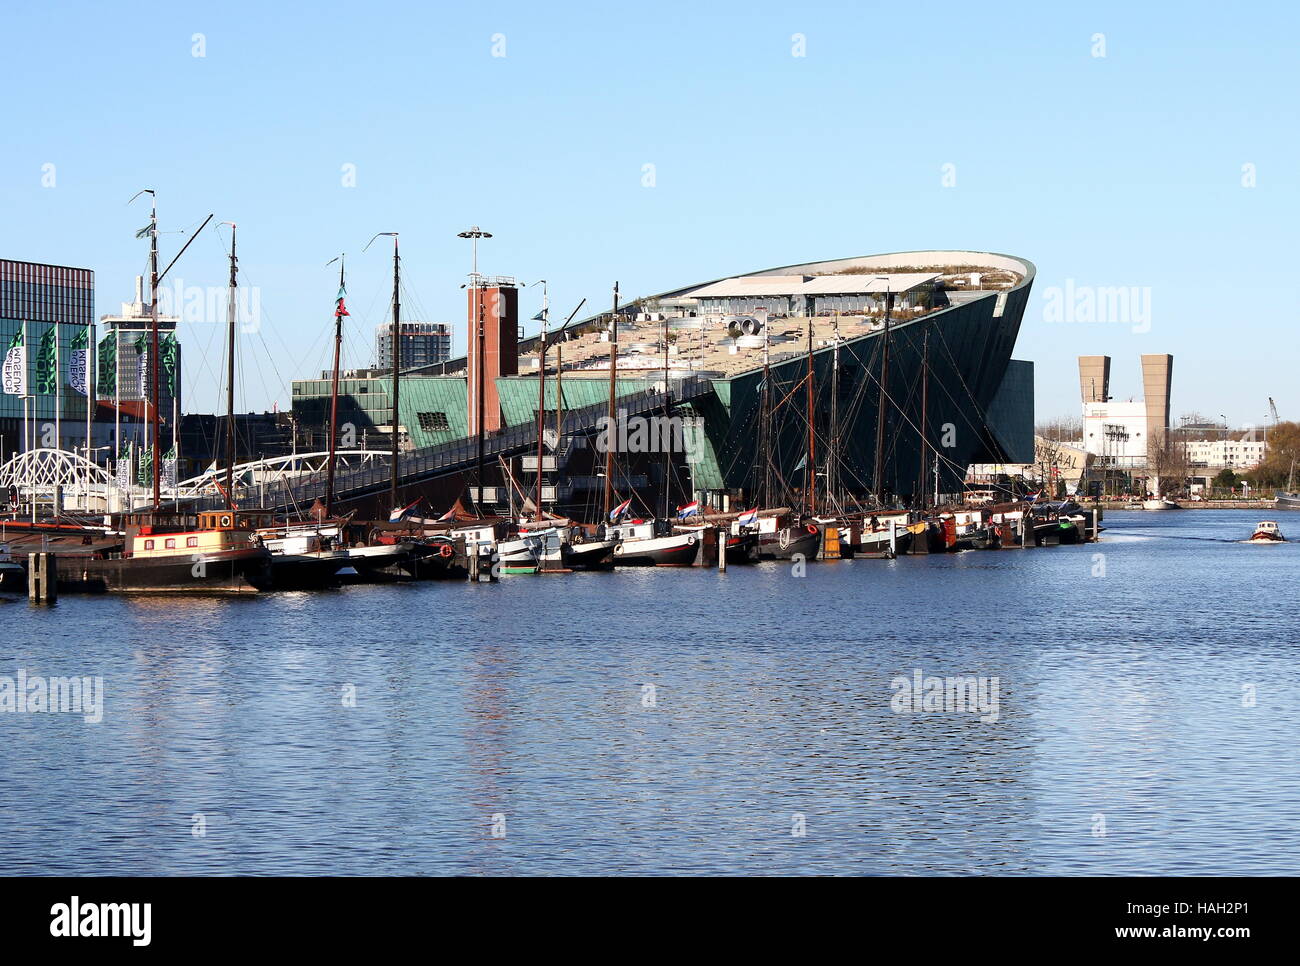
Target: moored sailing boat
[(639, 545), (167, 553)]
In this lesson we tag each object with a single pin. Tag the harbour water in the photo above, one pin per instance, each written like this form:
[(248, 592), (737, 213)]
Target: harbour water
[(667, 721)]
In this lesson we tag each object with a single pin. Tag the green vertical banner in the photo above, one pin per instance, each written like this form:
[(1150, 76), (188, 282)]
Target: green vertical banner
[(79, 362), (108, 364), (142, 366), (123, 467), (169, 468), (145, 475), (15, 366), (170, 352), (47, 366)]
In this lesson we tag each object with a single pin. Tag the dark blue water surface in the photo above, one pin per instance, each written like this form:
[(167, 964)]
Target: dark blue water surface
[(1125, 742)]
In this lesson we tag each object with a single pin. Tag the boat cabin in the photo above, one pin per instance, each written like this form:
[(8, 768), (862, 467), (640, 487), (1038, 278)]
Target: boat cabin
[(174, 534), (1267, 530)]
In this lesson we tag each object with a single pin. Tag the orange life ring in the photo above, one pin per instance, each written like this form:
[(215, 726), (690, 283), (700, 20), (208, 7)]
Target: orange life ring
[(812, 528), (445, 550)]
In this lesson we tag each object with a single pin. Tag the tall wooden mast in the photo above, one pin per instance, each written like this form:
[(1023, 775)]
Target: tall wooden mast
[(925, 392), (397, 367), (764, 454), (881, 410), (340, 310), (541, 402), (154, 354), (230, 372), (833, 450), (609, 426), (397, 373), (152, 370), (810, 464), (666, 434)]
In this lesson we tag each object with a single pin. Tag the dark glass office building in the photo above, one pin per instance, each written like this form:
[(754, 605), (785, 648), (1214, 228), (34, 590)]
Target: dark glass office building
[(48, 309)]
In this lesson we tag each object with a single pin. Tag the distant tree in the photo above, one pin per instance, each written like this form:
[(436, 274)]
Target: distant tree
[(1225, 480), (1283, 452), (1061, 429), (1167, 462)]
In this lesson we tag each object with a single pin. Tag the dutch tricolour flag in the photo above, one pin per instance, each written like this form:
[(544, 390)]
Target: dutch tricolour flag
[(619, 510), (689, 510), (399, 514), (748, 518)]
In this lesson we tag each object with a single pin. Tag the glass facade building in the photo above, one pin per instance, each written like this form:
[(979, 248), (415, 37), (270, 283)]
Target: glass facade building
[(48, 309), (423, 344)]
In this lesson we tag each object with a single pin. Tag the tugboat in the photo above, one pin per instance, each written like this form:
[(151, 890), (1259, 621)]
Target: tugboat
[(212, 555), (1267, 532)]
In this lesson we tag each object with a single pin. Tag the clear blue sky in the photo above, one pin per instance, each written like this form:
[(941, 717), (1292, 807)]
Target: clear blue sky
[(1123, 170)]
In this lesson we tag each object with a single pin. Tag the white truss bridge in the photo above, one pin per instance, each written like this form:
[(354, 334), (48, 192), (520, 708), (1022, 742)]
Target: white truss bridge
[(48, 476)]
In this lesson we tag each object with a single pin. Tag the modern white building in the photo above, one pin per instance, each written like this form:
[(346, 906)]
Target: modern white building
[(1116, 433), (1236, 453)]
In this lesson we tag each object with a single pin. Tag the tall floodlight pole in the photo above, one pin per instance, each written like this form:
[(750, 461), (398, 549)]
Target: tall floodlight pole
[(477, 332)]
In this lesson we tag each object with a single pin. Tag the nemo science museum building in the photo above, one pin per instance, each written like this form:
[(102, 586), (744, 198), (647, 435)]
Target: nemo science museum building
[(852, 382)]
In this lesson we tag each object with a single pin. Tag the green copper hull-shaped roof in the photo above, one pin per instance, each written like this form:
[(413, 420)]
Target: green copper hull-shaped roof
[(518, 394), (431, 396)]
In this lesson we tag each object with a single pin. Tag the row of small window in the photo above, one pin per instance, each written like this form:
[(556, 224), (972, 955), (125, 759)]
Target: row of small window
[(46, 303), (170, 543), (434, 422)]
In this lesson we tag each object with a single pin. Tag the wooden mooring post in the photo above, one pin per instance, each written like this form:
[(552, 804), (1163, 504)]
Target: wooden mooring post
[(42, 577)]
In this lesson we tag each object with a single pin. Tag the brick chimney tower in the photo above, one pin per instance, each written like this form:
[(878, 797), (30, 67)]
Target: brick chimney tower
[(498, 309)]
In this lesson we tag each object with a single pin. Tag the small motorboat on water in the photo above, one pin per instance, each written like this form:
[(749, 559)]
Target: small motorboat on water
[(1267, 531)]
